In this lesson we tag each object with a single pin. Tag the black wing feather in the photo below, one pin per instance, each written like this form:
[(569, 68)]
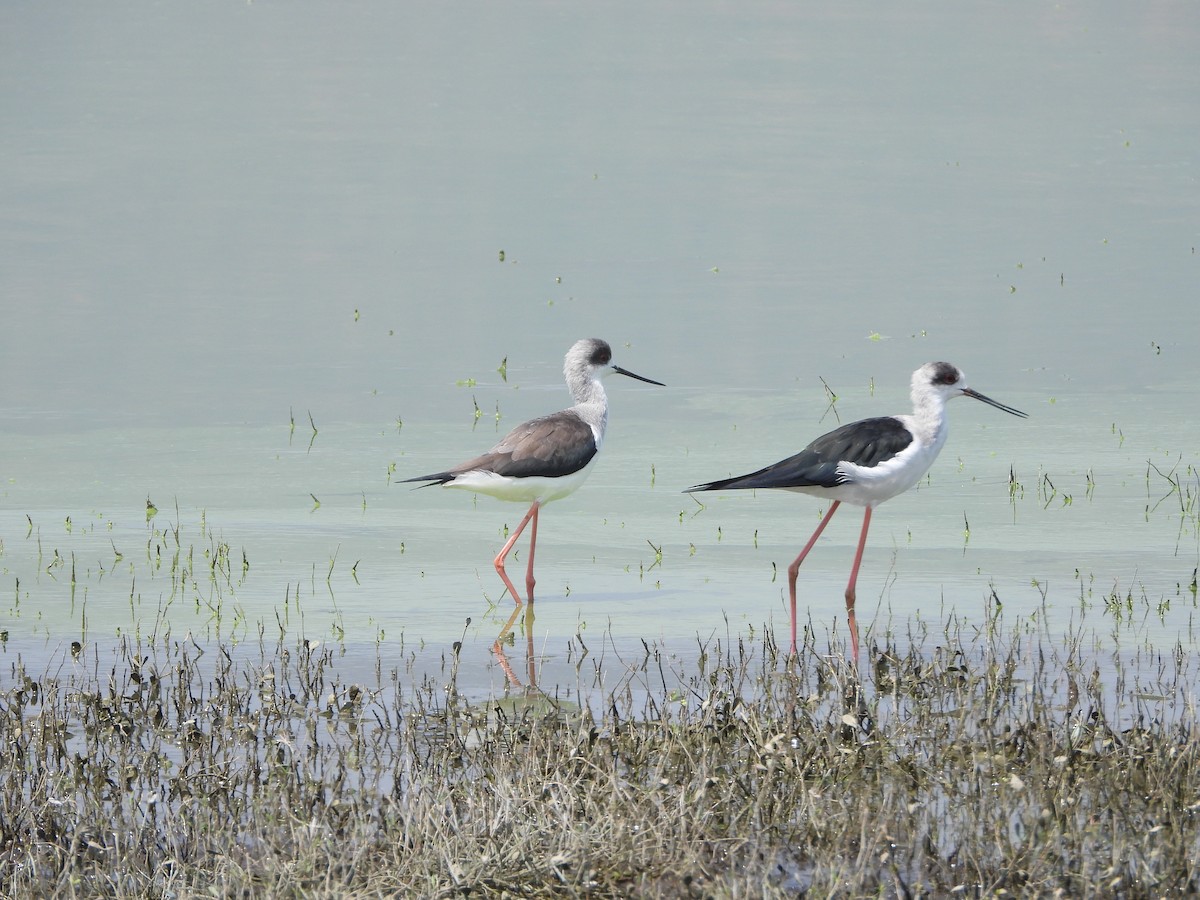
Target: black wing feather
[(865, 443)]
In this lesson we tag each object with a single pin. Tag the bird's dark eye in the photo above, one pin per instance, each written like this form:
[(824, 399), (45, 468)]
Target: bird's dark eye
[(945, 374)]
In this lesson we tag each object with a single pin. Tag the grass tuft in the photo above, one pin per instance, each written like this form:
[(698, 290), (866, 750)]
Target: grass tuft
[(994, 765)]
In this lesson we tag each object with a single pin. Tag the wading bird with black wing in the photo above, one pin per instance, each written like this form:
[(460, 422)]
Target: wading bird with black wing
[(865, 463)]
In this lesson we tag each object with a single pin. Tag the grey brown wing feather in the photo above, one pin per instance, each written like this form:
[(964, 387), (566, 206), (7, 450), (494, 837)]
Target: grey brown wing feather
[(865, 443), (549, 447)]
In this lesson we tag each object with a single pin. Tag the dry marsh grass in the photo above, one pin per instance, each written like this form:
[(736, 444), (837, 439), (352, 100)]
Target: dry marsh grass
[(979, 768)]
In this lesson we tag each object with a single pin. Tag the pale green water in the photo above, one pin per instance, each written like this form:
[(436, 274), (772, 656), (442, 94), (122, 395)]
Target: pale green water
[(218, 218)]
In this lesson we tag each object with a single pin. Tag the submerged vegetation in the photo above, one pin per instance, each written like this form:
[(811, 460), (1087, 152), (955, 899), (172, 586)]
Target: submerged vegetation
[(978, 766)]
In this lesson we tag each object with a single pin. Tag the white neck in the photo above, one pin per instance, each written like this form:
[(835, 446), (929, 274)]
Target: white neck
[(929, 417), (591, 402)]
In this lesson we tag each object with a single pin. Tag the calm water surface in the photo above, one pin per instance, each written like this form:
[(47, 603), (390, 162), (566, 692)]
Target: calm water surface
[(218, 221)]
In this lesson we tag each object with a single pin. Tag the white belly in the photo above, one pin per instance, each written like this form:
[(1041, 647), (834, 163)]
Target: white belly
[(872, 486), (523, 490)]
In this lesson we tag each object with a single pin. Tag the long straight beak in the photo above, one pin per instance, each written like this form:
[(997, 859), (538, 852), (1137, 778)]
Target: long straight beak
[(621, 371), (990, 402)]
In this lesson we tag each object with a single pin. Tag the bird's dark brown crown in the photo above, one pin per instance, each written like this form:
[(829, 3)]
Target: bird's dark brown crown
[(602, 355), (944, 373)]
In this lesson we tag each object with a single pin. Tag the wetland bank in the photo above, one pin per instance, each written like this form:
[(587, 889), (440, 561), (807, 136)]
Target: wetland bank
[(976, 762)]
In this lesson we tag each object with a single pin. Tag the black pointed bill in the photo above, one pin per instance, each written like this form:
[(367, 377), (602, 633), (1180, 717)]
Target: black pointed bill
[(626, 372), (990, 402)]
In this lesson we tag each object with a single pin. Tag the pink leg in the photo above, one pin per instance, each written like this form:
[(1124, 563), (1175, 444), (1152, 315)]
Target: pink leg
[(794, 568), (853, 621), (498, 562), (532, 546)]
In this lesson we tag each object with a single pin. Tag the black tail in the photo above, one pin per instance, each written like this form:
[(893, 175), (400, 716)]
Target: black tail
[(431, 480), (716, 485)]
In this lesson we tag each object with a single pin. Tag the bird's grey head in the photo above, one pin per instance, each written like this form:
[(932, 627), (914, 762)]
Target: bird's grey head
[(587, 358), (590, 359), (598, 352)]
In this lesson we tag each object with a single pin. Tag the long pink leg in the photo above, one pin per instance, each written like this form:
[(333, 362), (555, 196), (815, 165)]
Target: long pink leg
[(532, 546), (853, 621), (498, 562), (794, 568)]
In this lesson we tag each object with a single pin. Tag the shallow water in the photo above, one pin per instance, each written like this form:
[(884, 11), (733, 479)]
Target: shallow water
[(220, 221)]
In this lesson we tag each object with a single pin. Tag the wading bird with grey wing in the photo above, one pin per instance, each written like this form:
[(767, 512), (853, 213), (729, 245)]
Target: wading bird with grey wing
[(546, 458)]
